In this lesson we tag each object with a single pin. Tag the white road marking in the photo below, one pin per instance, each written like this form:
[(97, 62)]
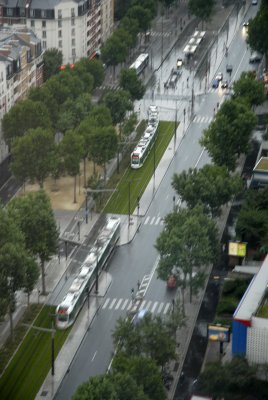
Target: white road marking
[(106, 302), (161, 305), (118, 304), (166, 308), (112, 304), (154, 306), (94, 356)]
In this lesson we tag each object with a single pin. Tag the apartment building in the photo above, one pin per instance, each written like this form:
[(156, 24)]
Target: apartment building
[(76, 27), (21, 67)]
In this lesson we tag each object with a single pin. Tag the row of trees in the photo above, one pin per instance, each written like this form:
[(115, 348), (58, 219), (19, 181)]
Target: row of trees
[(189, 242), (137, 16), (28, 233), (143, 347)]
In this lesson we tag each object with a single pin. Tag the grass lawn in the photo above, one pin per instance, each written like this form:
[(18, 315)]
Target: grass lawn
[(134, 182), (32, 362)]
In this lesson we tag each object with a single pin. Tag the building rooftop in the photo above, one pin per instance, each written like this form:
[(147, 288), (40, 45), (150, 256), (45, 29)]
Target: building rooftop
[(254, 294), (262, 164)]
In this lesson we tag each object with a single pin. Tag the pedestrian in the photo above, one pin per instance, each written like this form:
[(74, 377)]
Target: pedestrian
[(218, 104), (138, 284), (214, 111)]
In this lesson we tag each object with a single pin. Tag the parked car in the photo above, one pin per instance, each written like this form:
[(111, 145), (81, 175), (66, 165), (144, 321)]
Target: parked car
[(255, 57), (224, 84), (254, 2), (219, 76), (215, 83)]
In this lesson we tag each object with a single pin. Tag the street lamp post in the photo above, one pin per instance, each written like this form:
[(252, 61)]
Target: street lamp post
[(138, 209), (129, 203), (154, 163), (86, 210)]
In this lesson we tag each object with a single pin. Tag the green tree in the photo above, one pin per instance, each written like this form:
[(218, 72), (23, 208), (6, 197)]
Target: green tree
[(42, 94), (249, 88), (119, 103), (73, 112), (32, 155), (144, 371), (132, 27), (130, 82), (211, 185), (35, 218), (72, 152), (103, 146), (121, 8), (31, 277), (52, 59), (71, 82), (94, 68), (129, 124), (258, 30), (150, 337), (187, 245), (142, 15), (232, 380), (201, 8), (97, 388), (114, 51), (14, 262), (101, 115), (25, 115), (228, 136), (252, 222)]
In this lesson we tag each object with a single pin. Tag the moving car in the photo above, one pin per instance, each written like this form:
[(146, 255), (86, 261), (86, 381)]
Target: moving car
[(219, 76), (246, 23), (255, 57), (224, 84), (229, 68), (254, 2)]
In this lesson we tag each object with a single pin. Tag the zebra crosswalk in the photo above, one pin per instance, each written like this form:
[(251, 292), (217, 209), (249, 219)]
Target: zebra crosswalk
[(155, 307), (109, 87), (199, 119), (153, 220)]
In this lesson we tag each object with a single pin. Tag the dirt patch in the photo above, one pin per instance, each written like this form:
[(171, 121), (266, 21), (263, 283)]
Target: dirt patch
[(61, 191)]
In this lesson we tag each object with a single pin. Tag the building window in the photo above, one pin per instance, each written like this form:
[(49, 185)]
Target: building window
[(73, 22), (32, 24), (22, 12), (60, 43), (44, 44), (31, 13), (73, 32), (44, 24), (73, 52), (59, 24), (9, 12), (43, 14), (44, 34), (59, 14), (72, 12), (59, 34), (73, 42)]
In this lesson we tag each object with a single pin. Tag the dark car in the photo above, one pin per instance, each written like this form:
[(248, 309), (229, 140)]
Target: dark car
[(224, 84), (229, 68)]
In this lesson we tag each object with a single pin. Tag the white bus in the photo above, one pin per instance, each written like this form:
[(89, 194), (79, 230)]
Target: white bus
[(68, 309), (141, 63), (141, 151)]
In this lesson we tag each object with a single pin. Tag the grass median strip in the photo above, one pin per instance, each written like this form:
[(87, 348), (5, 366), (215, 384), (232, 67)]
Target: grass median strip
[(32, 362), (134, 182)]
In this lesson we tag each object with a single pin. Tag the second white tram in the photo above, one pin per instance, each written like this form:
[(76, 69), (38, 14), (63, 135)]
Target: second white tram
[(68, 309)]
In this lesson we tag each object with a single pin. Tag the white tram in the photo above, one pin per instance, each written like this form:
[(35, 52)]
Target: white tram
[(141, 151), (67, 310)]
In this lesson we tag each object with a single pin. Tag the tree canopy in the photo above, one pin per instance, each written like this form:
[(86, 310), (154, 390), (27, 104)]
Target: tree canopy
[(52, 59), (211, 185), (32, 155), (201, 8), (187, 245), (258, 30), (35, 218), (252, 222), (25, 115), (249, 88), (130, 82), (229, 134), (119, 103)]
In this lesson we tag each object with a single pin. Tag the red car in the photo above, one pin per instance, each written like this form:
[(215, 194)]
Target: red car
[(171, 282)]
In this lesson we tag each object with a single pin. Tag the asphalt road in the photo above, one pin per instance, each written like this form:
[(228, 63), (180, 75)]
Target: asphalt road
[(137, 261)]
